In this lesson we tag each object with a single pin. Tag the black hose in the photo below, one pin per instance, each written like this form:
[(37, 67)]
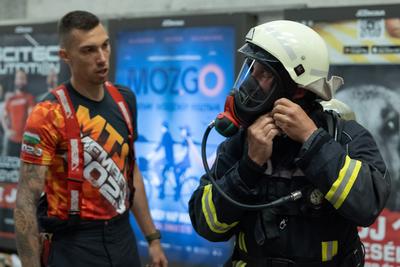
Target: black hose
[(292, 197)]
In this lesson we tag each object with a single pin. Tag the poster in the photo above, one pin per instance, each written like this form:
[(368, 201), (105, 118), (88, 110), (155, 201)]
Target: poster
[(364, 49), (373, 93), (181, 77), (29, 66)]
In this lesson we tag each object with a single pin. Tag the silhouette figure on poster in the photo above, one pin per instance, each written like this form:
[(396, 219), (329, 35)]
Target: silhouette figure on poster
[(184, 164), (170, 173), (167, 143)]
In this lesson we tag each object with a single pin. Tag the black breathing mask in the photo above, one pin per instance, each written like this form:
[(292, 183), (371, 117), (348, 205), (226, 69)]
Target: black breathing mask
[(257, 87)]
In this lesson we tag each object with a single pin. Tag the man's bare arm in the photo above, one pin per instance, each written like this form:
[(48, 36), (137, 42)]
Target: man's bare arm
[(30, 187), (140, 209), (140, 206)]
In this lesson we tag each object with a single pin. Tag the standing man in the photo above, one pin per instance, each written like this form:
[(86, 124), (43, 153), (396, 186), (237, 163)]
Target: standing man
[(287, 144), (78, 149), (16, 110)]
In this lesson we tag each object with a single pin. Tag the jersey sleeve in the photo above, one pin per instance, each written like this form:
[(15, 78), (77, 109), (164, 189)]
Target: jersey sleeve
[(42, 133)]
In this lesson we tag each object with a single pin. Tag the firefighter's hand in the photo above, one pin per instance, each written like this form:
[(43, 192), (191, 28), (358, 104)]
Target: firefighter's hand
[(157, 256), (260, 137), (293, 120)]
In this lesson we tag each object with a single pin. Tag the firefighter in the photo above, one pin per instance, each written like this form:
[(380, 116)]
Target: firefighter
[(284, 145)]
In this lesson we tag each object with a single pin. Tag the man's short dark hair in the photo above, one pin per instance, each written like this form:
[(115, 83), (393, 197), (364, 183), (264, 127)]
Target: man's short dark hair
[(78, 19)]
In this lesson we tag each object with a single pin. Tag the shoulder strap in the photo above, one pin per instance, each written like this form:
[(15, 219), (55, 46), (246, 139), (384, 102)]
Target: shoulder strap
[(122, 105), (75, 152), (127, 115)]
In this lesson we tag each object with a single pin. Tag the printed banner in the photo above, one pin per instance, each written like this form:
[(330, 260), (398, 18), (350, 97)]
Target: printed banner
[(373, 93), (181, 77), (29, 66), (381, 241), (362, 41), (355, 34)]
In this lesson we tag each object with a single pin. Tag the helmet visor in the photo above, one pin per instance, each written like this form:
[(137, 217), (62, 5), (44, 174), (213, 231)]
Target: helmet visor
[(254, 85)]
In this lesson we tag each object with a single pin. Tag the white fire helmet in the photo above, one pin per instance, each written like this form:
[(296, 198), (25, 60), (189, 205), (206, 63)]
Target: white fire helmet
[(301, 51)]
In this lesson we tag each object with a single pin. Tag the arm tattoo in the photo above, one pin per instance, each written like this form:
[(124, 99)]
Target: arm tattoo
[(30, 187)]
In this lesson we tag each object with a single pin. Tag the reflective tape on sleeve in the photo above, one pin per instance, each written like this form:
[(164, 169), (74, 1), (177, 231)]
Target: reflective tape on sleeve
[(210, 213), (329, 250), (340, 189)]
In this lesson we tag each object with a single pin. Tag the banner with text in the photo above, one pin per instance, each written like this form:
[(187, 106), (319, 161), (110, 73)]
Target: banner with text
[(29, 65)]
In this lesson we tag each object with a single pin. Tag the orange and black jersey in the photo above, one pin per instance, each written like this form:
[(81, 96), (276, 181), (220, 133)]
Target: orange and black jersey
[(348, 176), (104, 136)]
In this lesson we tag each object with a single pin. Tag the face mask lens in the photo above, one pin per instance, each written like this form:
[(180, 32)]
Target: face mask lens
[(244, 72), (254, 84), (251, 94)]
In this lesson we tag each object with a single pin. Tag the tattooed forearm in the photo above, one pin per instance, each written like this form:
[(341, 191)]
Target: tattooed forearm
[(30, 187)]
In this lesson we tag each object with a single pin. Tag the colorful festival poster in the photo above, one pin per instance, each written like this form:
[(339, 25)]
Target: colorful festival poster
[(181, 77)]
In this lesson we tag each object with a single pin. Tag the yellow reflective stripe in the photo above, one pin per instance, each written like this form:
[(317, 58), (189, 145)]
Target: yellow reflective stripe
[(242, 242), (336, 184), (343, 184), (210, 213), (239, 241), (324, 251), (329, 250), (239, 264), (349, 185)]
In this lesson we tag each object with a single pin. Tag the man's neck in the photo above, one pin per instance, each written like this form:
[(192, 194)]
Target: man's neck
[(93, 92)]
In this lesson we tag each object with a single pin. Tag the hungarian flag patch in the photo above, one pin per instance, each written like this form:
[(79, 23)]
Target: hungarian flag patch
[(31, 138)]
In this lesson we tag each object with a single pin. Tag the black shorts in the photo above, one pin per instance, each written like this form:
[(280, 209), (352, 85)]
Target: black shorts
[(95, 244)]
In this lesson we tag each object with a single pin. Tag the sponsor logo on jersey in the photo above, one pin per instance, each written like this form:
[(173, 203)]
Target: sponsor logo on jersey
[(103, 173), (35, 151), (105, 153)]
